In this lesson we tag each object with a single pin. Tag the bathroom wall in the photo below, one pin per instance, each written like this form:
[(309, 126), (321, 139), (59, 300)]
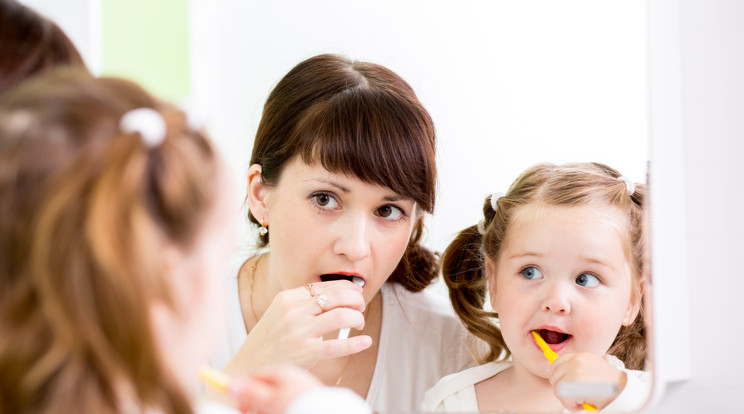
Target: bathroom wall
[(711, 52)]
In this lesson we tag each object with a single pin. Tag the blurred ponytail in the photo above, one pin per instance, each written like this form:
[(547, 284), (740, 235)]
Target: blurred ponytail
[(99, 204)]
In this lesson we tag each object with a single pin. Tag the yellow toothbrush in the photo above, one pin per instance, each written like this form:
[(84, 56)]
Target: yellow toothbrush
[(551, 356), (216, 379)]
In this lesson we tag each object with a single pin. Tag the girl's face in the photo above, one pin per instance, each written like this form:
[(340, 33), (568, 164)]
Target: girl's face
[(562, 271), (324, 223)]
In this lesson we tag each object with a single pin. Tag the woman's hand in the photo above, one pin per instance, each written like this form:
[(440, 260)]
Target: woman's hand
[(585, 368), (292, 328)]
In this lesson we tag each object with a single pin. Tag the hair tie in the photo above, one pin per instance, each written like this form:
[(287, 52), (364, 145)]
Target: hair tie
[(147, 122), (482, 227), (495, 200), (629, 185)]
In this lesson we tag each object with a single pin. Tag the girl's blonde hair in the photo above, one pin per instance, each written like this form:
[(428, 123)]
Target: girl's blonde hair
[(547, 184), (85, 210)]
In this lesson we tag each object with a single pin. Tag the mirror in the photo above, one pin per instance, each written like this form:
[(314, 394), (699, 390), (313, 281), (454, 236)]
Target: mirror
[(508, 84)]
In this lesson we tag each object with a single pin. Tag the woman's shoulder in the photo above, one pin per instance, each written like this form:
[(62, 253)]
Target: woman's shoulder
[(456, 391)]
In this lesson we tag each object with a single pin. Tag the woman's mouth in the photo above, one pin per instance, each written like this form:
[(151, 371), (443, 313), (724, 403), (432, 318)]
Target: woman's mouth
[(339, 276)]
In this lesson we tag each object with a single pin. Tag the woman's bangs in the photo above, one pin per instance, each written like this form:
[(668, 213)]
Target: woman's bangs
[(372, 141)]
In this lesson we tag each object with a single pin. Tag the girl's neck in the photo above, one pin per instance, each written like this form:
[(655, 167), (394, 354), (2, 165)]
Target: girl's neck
[(517, 389)]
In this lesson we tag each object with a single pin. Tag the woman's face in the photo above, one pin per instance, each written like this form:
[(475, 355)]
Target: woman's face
[(325, 223)]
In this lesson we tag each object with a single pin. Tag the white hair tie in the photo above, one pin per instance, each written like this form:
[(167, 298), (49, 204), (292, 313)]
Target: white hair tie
[(629, 185), (495, 200), (482, 227), (147, 122)]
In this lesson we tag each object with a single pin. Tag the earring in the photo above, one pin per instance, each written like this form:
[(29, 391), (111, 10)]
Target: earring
[(263, 230)]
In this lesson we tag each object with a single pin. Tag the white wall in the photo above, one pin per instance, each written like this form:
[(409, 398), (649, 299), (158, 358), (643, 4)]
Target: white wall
[(711, 41)]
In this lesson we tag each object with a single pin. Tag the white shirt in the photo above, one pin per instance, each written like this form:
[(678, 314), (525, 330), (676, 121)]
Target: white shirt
[(421, 341), (455, 393), (321, 400)]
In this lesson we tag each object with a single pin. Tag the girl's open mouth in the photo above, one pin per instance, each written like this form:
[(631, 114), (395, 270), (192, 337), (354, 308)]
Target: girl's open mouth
[(553, 337)]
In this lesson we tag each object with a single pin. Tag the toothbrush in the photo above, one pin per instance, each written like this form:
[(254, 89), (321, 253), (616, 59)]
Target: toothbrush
[(343, 333), (551, 356), (214, 378)]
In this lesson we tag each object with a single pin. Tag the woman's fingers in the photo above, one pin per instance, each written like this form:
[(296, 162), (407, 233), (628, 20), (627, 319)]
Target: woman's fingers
[(336, 294), (334, 348), (336, 319)]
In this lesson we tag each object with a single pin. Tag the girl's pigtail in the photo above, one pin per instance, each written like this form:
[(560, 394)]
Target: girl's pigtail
[(465, 276)]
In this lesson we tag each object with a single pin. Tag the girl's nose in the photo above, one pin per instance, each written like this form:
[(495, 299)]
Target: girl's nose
[(556, 300), (353, 239)]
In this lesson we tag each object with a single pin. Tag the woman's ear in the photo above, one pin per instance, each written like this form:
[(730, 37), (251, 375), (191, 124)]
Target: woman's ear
[(491, 277), (634, 307), (257, 195)]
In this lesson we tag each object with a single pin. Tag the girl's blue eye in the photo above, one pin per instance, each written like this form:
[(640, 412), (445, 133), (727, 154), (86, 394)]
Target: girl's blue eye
[(389, 212), (587, 280), (531, 273), (325, 201)]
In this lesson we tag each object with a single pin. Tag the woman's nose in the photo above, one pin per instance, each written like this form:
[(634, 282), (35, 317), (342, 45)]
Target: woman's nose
[(353, 238), (556, 299)]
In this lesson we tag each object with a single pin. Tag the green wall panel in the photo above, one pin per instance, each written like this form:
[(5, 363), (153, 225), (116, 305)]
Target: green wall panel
[(148, 41)]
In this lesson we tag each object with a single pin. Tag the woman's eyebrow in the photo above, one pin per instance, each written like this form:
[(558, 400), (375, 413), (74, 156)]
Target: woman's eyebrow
[(328, 182)]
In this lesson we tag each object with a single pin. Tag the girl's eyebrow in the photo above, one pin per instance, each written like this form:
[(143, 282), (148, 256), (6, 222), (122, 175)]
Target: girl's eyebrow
[(593, 260), (525, 254)]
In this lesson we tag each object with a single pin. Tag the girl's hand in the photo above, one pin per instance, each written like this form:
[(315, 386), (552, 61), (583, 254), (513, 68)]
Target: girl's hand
[(271, 391), (585, 368), (292, 328)]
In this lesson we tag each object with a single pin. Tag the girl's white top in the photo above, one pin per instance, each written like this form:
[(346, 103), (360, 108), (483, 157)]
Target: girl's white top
[(321, 400), (455, 393)]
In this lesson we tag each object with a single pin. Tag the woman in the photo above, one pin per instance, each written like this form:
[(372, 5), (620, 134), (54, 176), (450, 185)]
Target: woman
[(342, 172)]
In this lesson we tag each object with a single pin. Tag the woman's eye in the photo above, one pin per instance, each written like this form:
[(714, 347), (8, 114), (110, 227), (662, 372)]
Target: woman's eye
[(587, 280), (325, 201), (531, 273), (390, 212)]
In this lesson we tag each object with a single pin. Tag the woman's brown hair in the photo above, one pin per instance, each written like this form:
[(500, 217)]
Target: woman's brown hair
[(545, 184), (31, 44), (84, 211), (360, 119)]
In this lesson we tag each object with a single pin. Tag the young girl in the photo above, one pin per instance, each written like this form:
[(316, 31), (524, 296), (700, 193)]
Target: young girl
[(561, 254), (115, 218)]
